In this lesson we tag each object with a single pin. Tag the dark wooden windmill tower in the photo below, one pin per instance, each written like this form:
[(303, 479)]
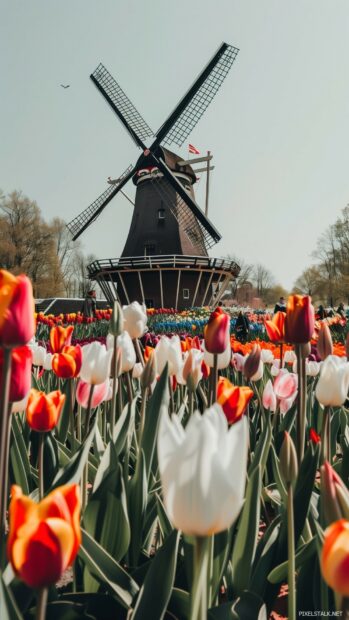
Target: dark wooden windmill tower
[(165, 260)]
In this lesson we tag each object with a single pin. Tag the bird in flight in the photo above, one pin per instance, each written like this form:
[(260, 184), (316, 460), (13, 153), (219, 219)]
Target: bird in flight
[(67, 86)]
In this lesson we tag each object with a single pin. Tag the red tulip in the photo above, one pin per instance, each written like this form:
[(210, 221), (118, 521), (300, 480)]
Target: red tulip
[(44, 538), (21, 365), (313, 436), (60, 337), (67, 364), (216, 332), (43, 410), (300, 319), (17, 323), (233, 399)]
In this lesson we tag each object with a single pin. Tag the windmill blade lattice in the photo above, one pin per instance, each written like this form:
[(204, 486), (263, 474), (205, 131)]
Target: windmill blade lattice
[(199, 97), (121, 104), (84, 219)]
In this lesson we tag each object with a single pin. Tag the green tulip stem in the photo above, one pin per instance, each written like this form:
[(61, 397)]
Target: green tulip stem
[(213, 395), (71, 397), (291, 567), (5, 413), (145, 392), (84, 480), (41, 604), (5, 421), (301, 402), (115, 385), (41, 465), (79, 424), (6, 460), (326, 435), (281, 353), (198, 598)]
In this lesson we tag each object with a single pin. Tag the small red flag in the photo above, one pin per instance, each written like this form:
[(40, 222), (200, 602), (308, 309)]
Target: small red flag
[(193, 149)]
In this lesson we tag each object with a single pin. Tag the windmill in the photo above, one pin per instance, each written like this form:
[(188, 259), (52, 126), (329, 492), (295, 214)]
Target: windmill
[(169, 233)]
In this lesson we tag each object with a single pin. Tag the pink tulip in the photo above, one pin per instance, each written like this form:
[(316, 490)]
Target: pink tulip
[(100, 393), (269, 397), (286, 403), (285, 384), (238, 361)]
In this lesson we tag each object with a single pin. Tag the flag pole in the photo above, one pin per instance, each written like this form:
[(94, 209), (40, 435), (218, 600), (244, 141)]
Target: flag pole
[(207, 182)]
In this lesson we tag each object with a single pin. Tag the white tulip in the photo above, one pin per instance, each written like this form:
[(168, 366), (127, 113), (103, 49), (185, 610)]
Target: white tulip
[(312, 368), (333, 384), (289, 357), (137, 370), (191, 368), (20, 405), (223, 358), (96, 360), (39, 354), (135, 319), (47, 365), (168, 350), (267, 356), (203, 470), (275, 369), (128, 353)]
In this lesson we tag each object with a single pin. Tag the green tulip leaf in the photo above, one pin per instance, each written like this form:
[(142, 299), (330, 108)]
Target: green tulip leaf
[(72, 472), (107, 571), (246, 538), (159, 398), (305, 552), (155, 593)]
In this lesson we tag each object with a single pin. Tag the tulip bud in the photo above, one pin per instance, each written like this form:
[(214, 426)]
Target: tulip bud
[(149, 372), (216, 332), (334, 494), (288, 460), (252, 361), (300, 319), (116, 323), (324, 343)]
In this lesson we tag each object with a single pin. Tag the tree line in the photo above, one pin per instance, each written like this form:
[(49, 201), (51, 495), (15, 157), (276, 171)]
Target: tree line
[(43, 250), (327, 280)]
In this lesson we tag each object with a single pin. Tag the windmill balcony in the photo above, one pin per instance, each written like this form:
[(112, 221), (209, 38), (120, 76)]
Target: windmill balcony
[(164, 281)]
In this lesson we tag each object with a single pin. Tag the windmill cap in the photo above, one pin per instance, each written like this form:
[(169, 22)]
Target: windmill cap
[(171, 160)]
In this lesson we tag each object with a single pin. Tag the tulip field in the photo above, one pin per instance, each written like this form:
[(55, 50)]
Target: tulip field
[(153, 466)]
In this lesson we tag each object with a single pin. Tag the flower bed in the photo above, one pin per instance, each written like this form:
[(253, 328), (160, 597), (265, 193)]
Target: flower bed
[(183, 477)]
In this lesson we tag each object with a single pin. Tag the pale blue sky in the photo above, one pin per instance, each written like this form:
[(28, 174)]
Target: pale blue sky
[(278, 128)]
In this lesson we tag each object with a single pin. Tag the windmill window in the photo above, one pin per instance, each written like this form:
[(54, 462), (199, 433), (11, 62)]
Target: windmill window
[(161, 214), (185, 293)]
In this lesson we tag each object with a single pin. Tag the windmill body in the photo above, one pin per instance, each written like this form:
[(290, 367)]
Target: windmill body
[(165, 260)]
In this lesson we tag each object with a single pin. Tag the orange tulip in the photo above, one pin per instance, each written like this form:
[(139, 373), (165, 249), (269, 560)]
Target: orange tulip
[(17, 322), (60, 337), (276, 327), (44, 538), (148, 351), (67, 364), (300, 319), (43, 410), (335, 557), (233, 399), (216, 332)]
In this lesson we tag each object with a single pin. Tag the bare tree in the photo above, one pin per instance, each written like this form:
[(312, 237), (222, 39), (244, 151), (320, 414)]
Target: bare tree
[(263, 280)]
